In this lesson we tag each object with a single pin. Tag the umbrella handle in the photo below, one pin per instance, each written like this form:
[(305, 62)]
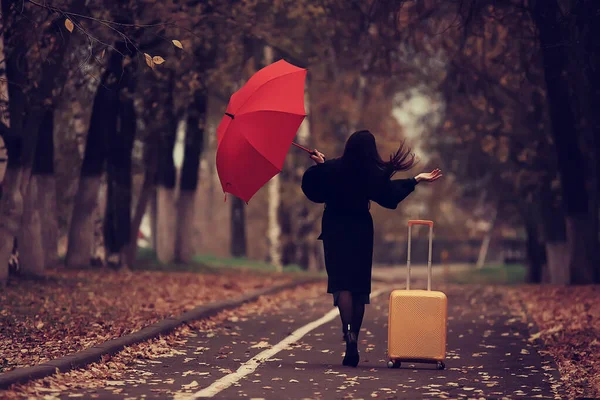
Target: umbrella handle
[(303, 148)]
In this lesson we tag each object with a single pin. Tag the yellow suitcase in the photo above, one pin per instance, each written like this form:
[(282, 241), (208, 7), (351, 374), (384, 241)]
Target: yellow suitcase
[(417, 318)]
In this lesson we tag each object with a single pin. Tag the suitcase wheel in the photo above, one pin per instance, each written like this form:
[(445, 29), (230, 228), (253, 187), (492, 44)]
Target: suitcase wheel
[(441, 365), (394, 364)]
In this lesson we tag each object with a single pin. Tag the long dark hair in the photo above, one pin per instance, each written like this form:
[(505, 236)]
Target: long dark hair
[(361, 154)]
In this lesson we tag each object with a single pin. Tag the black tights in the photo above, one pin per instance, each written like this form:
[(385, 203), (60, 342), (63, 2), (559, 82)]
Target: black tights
[(351, 312)]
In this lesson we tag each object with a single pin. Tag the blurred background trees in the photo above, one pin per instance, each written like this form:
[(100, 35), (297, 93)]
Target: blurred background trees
[(109, 112)]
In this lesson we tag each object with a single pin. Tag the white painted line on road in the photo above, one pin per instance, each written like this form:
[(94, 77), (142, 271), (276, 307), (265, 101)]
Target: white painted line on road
[(250, 366)]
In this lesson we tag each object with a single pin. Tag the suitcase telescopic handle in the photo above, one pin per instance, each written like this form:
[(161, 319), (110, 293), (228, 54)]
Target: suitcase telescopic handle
[(410, 225)]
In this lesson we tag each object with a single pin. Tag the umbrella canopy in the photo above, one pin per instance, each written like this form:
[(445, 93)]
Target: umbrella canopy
[(258, 127)]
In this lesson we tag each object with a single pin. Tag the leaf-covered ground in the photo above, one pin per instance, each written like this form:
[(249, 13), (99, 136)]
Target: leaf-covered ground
[(72, 310), (568, 318), (488, 356), (112, 372)]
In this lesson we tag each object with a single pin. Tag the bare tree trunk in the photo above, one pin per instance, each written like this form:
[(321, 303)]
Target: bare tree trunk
[(26, 114), (99, 255), (274, 229), (166, 224), (194, 145), (485, 244), (585, 73), (238, 227), (166, 181), (46, 186), (566, 138), (555, 237), (117, 219), (253, 52), (102, 122), (38, 243), (140, 210), (11, 204), (147, 197), (12, 210), (557, 258), (31, 252), (274, 196), (154, 218), (535, 250), (148, 192)]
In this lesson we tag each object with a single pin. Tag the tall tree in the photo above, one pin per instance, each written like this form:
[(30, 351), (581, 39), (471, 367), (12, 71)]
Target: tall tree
[(43, 168), (117, 218), (103, 124), (252, 59), (274, 195), (566, 134), (33, 81), (194, 89), (166, 180), (194, 145), (37, 241)]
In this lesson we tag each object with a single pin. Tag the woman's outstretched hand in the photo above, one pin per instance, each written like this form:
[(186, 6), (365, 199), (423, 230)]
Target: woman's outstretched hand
[(429, 176), (317, 157)]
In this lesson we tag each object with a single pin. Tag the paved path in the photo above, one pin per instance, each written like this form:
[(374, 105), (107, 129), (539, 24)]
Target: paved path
[(488, 357)]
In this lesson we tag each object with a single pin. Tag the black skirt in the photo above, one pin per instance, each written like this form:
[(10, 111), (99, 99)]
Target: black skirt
[(348, 247)]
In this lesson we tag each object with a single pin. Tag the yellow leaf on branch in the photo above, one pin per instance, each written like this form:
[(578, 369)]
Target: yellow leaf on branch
[(69, 25), (158, 60), (177, 43), (149, 60)]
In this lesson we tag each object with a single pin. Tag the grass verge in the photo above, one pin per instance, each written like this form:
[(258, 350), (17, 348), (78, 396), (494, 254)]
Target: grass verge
[(500, 274), (208, 263)]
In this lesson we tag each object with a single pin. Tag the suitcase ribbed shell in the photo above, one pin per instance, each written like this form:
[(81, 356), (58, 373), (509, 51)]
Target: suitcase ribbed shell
[(417, 325)]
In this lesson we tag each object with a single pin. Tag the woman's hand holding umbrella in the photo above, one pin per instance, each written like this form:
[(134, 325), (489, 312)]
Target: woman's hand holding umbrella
[(317, 156)]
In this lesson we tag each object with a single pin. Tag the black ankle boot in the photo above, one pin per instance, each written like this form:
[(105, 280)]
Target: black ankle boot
[(351, 358)]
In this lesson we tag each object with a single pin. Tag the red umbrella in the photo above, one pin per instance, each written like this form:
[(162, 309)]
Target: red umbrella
[(259, 125)]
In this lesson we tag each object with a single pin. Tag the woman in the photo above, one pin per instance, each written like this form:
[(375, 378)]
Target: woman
[(347, 185)]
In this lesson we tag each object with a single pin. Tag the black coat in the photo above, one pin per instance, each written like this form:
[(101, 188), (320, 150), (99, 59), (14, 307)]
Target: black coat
[(347, 225)]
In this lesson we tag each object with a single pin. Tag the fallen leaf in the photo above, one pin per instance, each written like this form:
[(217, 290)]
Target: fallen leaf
[(190, 385), (261, 345)]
